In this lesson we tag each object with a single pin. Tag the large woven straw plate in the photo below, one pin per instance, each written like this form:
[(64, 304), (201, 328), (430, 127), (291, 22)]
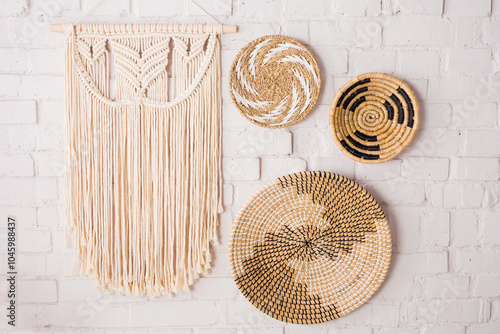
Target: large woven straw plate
[(274, 81), (310, 247), (374, 117)]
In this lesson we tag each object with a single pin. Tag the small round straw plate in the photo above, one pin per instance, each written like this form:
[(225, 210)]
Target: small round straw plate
[(310, 247), (374, 117), (274, 81)]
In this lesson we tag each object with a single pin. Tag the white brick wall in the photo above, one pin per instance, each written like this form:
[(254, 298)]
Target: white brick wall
[(418, 63), (423, 7), (446, 287), (464, 8), (491, 234), (237, 169), (40, 291), (436, 228), (14, 8), (17, 112), (421, 168), (359, 8), (469, 60), (372, 61), (16, 165), (414, 31), (441, 195), (464, 228)]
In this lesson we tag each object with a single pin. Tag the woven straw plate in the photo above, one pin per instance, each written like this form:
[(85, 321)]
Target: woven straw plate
[(374, 117), (309, 247), (274, 81)]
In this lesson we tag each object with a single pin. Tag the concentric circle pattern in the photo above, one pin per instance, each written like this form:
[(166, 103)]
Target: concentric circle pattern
[(374, 117), (274, 81), (310, 247)]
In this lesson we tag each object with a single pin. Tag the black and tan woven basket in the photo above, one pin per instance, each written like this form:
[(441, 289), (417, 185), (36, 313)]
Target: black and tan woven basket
[(374, 117), (274, 81), (310, 247)]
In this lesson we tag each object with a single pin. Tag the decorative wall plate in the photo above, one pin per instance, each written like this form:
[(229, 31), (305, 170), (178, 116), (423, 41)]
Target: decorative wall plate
[(310, 247), (374, 117), (274, 81)]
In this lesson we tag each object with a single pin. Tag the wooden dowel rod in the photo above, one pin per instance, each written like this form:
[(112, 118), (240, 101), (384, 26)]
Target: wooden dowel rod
[(226, 28)]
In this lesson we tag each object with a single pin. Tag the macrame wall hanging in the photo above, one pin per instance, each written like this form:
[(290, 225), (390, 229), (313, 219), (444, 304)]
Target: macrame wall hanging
[(143, 183)]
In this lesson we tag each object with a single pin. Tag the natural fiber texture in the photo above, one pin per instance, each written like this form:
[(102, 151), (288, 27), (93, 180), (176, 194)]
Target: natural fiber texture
[(143, 185), (274, 81), (374, 117), (310, 247)]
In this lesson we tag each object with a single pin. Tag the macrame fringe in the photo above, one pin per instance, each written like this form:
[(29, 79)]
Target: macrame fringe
[(143, 180)]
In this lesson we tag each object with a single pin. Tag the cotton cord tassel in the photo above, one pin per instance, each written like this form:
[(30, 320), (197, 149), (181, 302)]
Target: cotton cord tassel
[(143, 181)]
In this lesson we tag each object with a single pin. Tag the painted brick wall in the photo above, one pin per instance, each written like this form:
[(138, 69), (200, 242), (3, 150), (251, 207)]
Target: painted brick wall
[(442, 194)]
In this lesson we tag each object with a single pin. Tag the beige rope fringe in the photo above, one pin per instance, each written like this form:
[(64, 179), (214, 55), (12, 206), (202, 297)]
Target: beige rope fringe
[(310, 247), (374, 117), (274, 81), (143, 179)]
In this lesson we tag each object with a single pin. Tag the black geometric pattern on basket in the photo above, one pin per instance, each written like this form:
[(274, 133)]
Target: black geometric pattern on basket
[(374, 116), (304, 184), (327, 237), (275, 277)]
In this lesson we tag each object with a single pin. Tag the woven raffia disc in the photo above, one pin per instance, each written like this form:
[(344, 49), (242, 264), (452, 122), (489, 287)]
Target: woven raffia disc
[(274, 81), (374, 117), (310, 247)]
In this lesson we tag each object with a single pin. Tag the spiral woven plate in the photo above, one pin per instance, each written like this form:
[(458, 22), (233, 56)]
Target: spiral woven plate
[(274, 81), (310, 247), (374, 117)]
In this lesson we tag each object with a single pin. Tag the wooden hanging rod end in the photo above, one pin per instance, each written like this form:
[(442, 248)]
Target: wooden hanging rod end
[(56, 28), (229, 29)]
